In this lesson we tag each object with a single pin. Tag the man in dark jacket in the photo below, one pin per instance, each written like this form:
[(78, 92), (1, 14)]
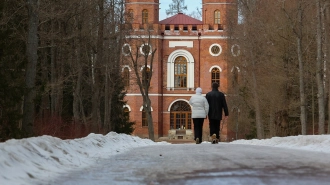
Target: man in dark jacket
[(217, 103)]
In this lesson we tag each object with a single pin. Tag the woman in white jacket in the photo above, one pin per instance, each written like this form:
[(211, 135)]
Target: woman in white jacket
[(200, 109)]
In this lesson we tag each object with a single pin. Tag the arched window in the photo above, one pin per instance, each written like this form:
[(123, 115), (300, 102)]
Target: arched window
[(145, 76), (217, 17), (180, 115), (126, 113), (215, 75), (130, 15), (180, 72), (144, 16), (171, 69), (235, 72), (126, 77), (144, 119)]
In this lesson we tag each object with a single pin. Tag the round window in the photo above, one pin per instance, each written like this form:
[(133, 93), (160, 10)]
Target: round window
[(126, 49), (235, 50), (145, 49), (215, 50)]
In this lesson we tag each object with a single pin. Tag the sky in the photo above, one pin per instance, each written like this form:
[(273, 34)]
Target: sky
[(191, 6), (41, 159)]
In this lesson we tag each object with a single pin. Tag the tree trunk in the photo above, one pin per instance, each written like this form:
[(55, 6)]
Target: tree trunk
[(259, 125), (96, 119), (32, 57), (77, 85), (319, 70), (107, 101), (149, 118), (327, 51), (52, 72), (301, 73)]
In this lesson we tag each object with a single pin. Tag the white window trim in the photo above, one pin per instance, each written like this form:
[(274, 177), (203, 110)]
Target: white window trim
[(190, 68), (232, 69), (129, 108), (238, 52), (141, 109), (146, 44), (210, 70), (210, 50), (142, 67), (122, 49), (169, 107), (126, 66)]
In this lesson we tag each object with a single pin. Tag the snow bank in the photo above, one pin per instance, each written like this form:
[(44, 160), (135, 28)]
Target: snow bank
[(320, 143), (44, 157)]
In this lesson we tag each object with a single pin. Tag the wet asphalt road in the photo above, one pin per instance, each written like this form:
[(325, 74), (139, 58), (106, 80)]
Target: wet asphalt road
[(206, 164)]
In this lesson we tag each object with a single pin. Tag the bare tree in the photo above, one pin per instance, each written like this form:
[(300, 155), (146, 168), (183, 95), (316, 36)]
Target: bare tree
[(31, 69), (177, 6), (143, 79), (327, 50), (319, 69), (297, 29), (197, 14)]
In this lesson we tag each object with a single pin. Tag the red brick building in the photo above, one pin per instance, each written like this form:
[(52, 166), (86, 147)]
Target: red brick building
[(190, 53)]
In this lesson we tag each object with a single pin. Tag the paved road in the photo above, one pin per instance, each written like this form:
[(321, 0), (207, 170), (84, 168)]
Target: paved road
[(207, 164)]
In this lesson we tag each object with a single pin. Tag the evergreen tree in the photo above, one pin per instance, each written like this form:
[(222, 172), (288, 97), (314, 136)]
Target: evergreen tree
[(120, 118)]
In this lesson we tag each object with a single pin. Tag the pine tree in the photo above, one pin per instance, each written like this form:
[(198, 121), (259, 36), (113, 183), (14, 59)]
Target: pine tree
[(120, 118)]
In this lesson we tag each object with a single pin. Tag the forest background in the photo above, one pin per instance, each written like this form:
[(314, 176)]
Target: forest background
[(61, 75)]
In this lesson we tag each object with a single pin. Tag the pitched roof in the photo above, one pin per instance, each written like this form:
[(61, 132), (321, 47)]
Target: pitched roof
[(180, 18)]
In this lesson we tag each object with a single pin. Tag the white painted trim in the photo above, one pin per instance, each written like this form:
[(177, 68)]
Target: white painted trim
[(169, 107), (124, 66), (188, 44), (122, 49), (143, 67), (171, 37), (145, 44), (232, 69), (215, 66), (210, 50), (129, 108), (238, 50), (141, 108), (190, 68)]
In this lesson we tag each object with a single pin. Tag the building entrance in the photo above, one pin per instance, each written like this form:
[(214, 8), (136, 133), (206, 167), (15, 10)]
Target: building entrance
[(180, 116)]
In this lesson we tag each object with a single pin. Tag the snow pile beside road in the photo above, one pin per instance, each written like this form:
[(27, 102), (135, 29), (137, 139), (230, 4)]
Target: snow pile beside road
[(320, 143), (44, 157)]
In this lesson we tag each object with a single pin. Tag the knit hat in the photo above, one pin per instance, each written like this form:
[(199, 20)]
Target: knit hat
[(199, 90)]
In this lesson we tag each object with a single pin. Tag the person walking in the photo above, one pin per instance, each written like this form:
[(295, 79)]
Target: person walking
[(200, 109), (217, 103)]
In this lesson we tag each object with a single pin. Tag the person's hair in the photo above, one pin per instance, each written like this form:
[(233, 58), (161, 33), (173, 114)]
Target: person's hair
[(215, 85)]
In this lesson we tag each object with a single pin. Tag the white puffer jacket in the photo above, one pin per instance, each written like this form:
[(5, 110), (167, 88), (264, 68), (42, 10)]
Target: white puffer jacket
[(200, 106)]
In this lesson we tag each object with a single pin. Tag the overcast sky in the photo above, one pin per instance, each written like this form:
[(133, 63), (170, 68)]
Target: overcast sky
[(191, 5)]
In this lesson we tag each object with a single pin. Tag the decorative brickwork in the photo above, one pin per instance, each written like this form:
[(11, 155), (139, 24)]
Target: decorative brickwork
[(203, 46)]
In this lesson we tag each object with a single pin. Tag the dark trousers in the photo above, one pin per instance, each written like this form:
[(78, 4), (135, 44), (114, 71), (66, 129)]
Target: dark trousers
[(215, 128), (198, 128)]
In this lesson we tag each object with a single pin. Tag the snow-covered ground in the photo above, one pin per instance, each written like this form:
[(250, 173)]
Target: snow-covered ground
[(43, 158)]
